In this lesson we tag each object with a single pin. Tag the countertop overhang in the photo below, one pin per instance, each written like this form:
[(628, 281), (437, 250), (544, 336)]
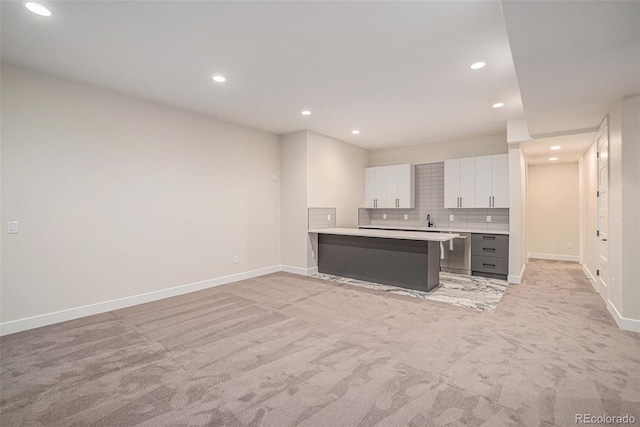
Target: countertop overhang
[(436, 229), (389, 234)]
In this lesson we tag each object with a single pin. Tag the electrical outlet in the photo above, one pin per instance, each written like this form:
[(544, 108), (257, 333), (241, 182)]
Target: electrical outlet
[(488, 218), (236, 259), (12, 227), (329, 217), (406, 217), (384, 216), (451, 218)]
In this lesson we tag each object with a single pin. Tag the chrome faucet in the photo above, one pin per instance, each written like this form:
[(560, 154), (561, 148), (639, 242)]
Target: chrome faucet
[(429, 223)]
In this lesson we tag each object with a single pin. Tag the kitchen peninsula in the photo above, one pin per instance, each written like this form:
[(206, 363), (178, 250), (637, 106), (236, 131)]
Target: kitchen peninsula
[(408, 259)]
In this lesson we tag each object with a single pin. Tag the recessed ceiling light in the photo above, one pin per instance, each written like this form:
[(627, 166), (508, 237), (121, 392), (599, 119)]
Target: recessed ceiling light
[(220, 79), (306, 112), (355, 131), (553, 159), (477, 65), (556, 147), (498, 105), (37, 8)]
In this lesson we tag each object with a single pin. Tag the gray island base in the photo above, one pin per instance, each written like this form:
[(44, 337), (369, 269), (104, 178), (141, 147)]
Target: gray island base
[(404, 259)]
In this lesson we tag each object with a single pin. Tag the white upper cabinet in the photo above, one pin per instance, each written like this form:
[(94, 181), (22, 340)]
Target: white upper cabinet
[(390, 187), (460, 183), (492, 181), (406, 186), (370, 188)]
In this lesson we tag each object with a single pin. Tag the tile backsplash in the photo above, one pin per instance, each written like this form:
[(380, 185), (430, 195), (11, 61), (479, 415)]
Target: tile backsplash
[(320, 218), (430, 201)]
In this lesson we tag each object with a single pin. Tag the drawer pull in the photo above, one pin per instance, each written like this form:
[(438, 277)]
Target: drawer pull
[(488, 265), (488, 237), (488, 249)]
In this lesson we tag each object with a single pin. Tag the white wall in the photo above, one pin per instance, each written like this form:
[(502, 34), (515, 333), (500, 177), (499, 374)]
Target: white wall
[(624, 208), (441, 151), (517, 213), (294, 199), (335, 172), (116, 196), (553, 220), (631, 207)]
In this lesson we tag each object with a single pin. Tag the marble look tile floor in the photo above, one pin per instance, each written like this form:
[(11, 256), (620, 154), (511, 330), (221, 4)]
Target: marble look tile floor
[(466, 291)]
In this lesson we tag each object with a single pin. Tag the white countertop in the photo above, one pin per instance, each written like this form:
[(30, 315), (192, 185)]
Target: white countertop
[(436, 229), (388, 234)]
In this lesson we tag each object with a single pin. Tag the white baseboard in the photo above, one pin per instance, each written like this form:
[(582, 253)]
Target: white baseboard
[(555, 257), (623, 322), (103, 307), (299, 270), (590, 277), (517, 279)]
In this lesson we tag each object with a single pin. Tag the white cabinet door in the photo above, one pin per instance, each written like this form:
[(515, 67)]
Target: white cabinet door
[(468, 182), (484, 190), (381, 188), (406, 186), (452, 183), (369, 187), (500, 180), (389, 187), (392, 186)]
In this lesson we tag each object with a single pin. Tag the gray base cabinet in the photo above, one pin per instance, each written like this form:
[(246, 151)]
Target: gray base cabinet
[(490, 255), (412, 264)]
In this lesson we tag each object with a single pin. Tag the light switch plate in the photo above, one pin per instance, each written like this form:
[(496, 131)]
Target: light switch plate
[(406, 217), (329, 217), (12, 227), (451, 218), (488, 218), (384, 216)]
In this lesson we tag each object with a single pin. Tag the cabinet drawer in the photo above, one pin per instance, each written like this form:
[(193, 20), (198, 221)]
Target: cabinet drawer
[(489, 264), (490, 248), (487, 237)]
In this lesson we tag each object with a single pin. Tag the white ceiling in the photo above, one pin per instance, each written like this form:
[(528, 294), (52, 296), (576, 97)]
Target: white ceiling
[(397, 71), (573, 59), (572, 147)]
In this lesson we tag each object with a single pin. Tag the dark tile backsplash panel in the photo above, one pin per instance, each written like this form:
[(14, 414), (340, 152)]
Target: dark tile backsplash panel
[(430, 201)]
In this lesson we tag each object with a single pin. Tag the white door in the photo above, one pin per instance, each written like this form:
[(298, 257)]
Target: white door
[(406, 188), (468, 182), (452, 183), (369, 187), (392, 186), (500, 181), (484, 190), (381, 188), (603, 212)]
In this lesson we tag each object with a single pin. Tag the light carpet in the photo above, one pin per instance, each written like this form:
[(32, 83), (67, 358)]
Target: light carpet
[(287, 350)]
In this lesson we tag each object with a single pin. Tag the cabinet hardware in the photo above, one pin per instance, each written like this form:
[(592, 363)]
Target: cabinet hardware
[(604, 240), (488, 265), (485, 237), (488, 249)]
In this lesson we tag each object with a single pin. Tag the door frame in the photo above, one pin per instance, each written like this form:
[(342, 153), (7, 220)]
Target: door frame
[(602, 285)]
